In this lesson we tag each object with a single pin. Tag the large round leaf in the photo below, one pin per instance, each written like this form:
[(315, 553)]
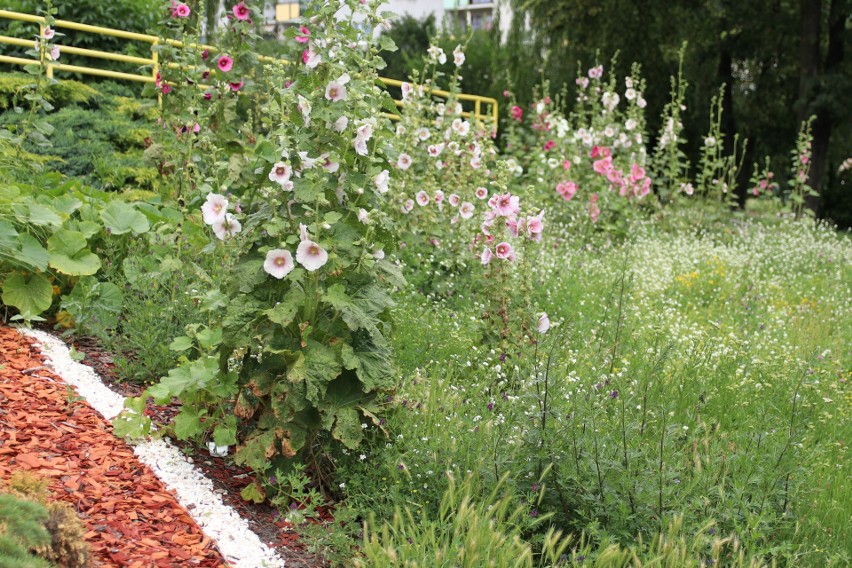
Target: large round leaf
[(31, 294), (120, 218), (69, 255)]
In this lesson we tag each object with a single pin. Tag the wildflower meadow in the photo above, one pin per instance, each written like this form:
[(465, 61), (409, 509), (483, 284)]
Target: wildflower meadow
[(431, 339)]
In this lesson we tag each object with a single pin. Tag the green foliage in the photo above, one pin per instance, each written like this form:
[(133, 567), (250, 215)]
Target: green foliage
[(60, 94), (21, 530)]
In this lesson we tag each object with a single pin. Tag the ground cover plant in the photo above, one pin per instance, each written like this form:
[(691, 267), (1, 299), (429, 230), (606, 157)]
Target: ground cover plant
[(571, 352)]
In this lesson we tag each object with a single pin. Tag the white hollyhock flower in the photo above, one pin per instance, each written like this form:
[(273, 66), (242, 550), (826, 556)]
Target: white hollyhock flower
[(214, 209), (382, 180), (335, 91), (404, 161), (341, 123), (458, 56), (227, 227), (543, 323), (280, 173), (278, 263), (311, 255), (466, 210)]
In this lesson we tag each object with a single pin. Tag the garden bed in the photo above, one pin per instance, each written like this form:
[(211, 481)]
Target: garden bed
[(131, 516)]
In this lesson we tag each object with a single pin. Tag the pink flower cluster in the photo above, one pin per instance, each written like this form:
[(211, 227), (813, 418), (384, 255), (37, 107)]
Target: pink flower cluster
[(505, 208), (636, 184)]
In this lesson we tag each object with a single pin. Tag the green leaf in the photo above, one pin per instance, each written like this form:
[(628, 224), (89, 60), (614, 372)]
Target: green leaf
[(180, 343), (322, 367), (119, 218), (32, 253), (225, 434), (253, 492), (132, 422), (31, 294), (190, 376), (69, 255), (285, 311), (8, 234), (361, 310), (209, 337), (387, 43), (43, 216), (347, 428), (257, 450), (188, 423)]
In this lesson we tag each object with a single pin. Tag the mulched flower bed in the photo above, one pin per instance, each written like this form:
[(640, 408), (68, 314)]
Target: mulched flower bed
[(131, 517), (59, 433)]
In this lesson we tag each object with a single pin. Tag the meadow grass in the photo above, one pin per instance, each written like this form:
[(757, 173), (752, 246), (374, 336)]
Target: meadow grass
[(693, 389)]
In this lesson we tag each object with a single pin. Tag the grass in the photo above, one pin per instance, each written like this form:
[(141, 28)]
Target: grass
[(695, 379)]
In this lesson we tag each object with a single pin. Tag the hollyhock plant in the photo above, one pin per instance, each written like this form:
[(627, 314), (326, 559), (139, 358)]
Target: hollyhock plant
[(543, 323)]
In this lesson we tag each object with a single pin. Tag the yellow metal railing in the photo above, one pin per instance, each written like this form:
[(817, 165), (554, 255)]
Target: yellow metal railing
[(488, 117)]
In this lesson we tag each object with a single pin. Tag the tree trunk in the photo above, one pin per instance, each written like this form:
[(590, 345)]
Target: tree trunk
[(824, 114), (810, 16)]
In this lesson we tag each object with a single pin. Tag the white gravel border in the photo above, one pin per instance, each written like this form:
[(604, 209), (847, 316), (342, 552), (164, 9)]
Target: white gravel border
[(240, 546)]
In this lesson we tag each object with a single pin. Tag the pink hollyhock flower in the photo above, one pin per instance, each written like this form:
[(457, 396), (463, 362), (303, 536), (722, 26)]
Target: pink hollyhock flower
[(241, 12), (517, 113), (600, 152), (214, 209), (205, 54), (196, 128), (49, 33), (454, 200), (507, 204), (535, 225), (166, 89), (280, 173), (310, 255), (408, 205), (566, 189), (54, 52), (543, 323), (466, 210), (278, 263), (504, 251), (481, 193), (225, 63), (566, 165), (637, 172), (485, 257), (180, 11), (236, 85), (404, 161), (303, 35), (227, 227), (549, 145), (335, 91), (602, 166), (381, 181), (439, 197), (512, 225), (596, 72), (422, 198)]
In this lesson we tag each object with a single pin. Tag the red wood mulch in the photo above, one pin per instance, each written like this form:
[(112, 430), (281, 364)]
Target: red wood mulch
[(131, 517)]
